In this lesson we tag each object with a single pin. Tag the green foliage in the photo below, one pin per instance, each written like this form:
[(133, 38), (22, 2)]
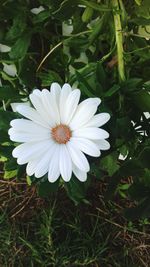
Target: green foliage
[(43, 53)]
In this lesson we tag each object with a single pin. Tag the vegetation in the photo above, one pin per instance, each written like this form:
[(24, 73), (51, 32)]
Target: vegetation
[(103, 48)]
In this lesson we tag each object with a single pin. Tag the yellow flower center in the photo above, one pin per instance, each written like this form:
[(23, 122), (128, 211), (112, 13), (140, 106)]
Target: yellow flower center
[(61, 134)]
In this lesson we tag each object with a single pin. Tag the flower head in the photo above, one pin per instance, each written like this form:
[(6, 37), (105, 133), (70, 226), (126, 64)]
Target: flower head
[(58, 132)]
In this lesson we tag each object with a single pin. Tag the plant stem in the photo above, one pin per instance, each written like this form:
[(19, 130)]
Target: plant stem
[(119, 40)]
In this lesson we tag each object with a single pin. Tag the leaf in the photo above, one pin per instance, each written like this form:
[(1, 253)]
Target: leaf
[(112, 90), (10, 174), (42, 16), (19, 49), (94, 6), (5, 118), (18, 27), (142, 100), (86, 87), (7, 92), (46, 188), (110, 163), (76, 190), (144, 157), (49, 77)]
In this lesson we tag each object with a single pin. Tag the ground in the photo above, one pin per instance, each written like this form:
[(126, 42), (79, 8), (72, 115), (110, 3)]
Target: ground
[(54, 232)]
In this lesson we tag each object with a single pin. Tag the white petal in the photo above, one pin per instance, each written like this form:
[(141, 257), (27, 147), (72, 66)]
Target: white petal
[(22, 149), (37, 92), (91, 133), (30, 151), (102, 144), (10, 69), (54, 172), (78, 157), (86, 146), (4, 48), (30, 169), (27, 137), (65, 163), (82, 176), (27, 126), (98, 120), (37, 10), (51, 107), (36, 100), (15, 105), (84, 113), (71, 105), (31, 114), (65, 91), (55, 92), (43, 164)]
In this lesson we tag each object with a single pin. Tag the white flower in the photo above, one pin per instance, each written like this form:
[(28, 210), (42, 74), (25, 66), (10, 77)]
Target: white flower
[(57, 132), (37, 10), (4, 48), (10, 69)]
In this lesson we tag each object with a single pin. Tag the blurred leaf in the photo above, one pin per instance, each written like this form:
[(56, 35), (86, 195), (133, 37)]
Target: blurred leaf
[(112, 90), (86, 87), (7, 92), (76, 190), (19, 49), (5, 118), (142, 100), (46, 188), (110, 163), (47, 78)]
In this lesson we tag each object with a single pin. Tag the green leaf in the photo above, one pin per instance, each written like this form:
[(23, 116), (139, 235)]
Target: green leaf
[(76, 190), (112, 90), (41, 17), (10, 174), (7, 92), (142, 100), (5, 118), (110, 163), (18, 27), (19, 49), (144, 157), (86, 88), (46, 188), (49, 77), (94, 6)]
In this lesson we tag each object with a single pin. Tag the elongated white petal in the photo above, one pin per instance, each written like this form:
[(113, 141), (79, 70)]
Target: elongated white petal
[(65, 163), (30, 154), (27, 137), (37, 92), (43, 164), (31, 114), (98, 120), (30, 169), (41, 109), (84, 113), (82, 176), (71, 105), (54, 171), (86, 146), (91, 133), (78, 157), (51, 107), (31, 147), (102, 144), (65, 91), (27, 126), (55, 92)]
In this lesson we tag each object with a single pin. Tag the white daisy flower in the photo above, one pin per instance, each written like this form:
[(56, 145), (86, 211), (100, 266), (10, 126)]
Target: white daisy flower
[(57, 132)]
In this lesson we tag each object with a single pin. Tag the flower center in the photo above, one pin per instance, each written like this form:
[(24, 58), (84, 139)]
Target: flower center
[(61, 134)]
